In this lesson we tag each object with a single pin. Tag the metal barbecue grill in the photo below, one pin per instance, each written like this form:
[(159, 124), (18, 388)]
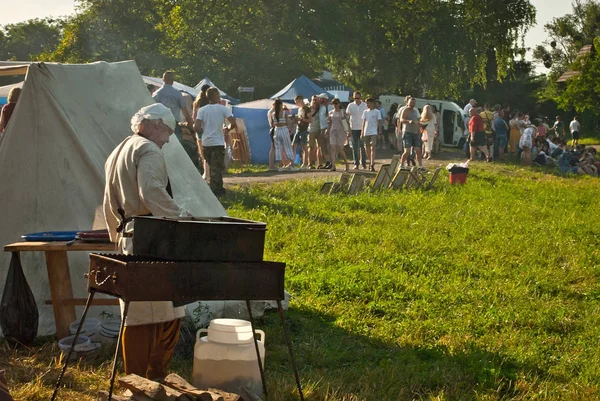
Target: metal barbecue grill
[(145, 278)]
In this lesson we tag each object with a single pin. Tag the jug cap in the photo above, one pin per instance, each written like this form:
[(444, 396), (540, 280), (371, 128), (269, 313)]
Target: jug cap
[(231, 325)]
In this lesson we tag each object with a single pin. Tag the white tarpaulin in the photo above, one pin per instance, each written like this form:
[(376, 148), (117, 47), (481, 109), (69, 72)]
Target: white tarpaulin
[(158, 82), (67, 121)]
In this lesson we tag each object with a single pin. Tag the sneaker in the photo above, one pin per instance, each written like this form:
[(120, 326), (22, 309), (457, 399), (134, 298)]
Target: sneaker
[(312, 167), (372, 168), (364, 166), (355, 167), (327, 165), (320, 167)]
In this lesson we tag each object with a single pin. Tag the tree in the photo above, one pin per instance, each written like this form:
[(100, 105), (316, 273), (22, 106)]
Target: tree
[(567, 35), (27, 40), (435, 48), (582, 92), (114, 30)]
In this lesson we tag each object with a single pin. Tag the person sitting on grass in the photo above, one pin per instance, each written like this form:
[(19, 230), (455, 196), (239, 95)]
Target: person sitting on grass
[(372, 126), (542, 159), (559, 147), (587, 162)]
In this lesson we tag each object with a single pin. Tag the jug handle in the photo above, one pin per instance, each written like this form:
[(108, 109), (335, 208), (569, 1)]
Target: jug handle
[(200, 331), (262, 336)]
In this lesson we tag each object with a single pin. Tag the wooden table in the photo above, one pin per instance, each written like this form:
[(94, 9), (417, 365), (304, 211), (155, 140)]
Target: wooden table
[(59, 277)]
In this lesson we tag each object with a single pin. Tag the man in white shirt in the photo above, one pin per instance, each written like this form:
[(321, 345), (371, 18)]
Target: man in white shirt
[(209, 122), (371, 127), (137, 184), (356, 110), (574, 127), (466, 110)]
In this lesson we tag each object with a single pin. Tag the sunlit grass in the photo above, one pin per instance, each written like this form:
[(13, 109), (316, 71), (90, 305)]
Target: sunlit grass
[(487, 291)]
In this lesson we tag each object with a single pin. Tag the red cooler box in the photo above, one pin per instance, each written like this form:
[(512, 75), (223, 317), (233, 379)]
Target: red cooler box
[(458, 175)]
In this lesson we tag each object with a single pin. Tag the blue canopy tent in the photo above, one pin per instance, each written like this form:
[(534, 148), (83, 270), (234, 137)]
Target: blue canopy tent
[(300, 86), (254, 115)]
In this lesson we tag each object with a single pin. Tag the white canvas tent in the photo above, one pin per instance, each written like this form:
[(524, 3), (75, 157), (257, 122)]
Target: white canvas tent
[(224, 96), (67, 121), (158, 82), (13, 67)]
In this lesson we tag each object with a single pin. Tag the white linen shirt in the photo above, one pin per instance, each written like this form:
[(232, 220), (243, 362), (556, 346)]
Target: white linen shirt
[(136, 180), (356, 114)]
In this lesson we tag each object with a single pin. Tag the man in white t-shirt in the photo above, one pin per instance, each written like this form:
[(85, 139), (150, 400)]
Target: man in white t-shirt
[(466, 110), (371, 127), (356, 110), (209, 128), (574, 127)]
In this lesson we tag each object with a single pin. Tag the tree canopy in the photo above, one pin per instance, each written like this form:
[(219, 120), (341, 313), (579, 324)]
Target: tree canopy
[(435, 48), (27, 40)]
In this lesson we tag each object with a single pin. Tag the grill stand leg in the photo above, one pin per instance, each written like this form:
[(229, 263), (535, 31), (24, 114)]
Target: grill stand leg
[(64, 369), (289, 344), (260, 366), (117, 349)]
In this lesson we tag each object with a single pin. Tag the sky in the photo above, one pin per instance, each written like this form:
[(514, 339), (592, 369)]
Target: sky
[(21, 10)]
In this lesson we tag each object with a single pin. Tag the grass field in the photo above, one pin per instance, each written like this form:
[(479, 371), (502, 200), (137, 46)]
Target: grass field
[(488, 291)]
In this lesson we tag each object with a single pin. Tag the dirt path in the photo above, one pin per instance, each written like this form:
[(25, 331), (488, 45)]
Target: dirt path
[(384, 157)]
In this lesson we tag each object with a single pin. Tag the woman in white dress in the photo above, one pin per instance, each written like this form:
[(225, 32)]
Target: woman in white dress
[(337, 133), (280, 142), (429, 124)]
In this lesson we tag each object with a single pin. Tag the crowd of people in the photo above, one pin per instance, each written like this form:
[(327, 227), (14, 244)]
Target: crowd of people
[(499, 131), (322, 132)]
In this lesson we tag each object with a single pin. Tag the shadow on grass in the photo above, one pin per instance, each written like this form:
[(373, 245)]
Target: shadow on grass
[(373, 370), (336, 364)]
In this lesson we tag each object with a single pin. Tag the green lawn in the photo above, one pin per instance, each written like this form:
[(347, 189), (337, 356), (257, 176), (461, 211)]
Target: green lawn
[(488, 291)]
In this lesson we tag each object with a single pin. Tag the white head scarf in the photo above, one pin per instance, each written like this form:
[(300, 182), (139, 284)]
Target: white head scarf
[(153, 112)]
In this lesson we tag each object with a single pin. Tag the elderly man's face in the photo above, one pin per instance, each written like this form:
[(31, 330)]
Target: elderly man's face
[(157, 131)]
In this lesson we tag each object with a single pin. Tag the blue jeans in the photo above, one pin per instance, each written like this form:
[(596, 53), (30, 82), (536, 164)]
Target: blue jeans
[(356, 144)]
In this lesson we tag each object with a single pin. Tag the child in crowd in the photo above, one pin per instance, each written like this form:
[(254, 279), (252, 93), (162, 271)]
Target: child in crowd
[(372, 126)]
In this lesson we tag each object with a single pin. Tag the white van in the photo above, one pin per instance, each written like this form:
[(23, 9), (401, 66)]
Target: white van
[(452, 125)]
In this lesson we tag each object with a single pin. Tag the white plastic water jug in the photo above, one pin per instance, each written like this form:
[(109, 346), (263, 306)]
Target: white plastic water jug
[(226, 357)]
